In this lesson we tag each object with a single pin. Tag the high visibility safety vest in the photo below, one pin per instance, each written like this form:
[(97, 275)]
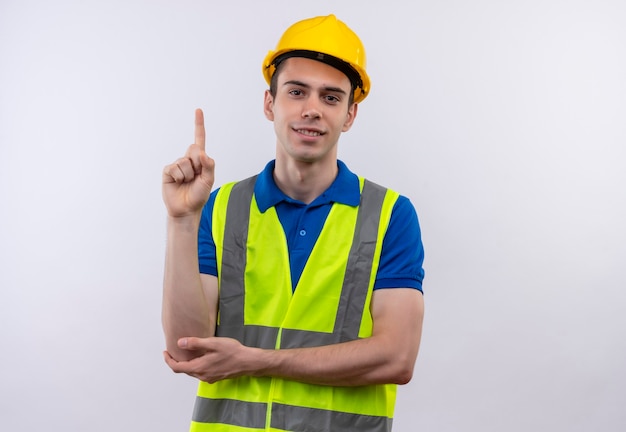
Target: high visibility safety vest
[(331, 304)]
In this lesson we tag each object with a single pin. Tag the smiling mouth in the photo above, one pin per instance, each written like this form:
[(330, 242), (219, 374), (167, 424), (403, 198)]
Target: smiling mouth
[(308, 132)]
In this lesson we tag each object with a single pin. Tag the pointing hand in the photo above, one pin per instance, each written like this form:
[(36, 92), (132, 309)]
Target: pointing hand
[(188, 181)]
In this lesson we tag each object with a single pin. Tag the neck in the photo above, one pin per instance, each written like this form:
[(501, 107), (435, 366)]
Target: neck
[(304, 181)]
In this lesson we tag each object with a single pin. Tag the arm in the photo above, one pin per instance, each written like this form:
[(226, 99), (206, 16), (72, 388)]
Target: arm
[(388, 356), (189, 299)]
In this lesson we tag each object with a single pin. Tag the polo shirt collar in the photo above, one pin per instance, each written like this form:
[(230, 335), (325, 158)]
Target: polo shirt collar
[(344, 189)]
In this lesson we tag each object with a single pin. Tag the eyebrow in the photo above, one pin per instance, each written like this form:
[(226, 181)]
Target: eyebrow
[(305, 85)]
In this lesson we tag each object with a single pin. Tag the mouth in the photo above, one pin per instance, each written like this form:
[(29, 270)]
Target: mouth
[(309, 132)]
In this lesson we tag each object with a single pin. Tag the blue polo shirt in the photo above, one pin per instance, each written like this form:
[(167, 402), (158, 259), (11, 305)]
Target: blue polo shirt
[(402, 252)]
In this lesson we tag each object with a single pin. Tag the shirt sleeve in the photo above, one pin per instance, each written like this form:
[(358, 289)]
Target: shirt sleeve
[(402, 254), (206, 246)]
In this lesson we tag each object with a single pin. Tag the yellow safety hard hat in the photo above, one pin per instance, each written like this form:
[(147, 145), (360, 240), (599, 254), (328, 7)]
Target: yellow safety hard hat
[(328, 40)]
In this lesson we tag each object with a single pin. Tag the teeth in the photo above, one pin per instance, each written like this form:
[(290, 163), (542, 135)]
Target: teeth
[(309, 132)]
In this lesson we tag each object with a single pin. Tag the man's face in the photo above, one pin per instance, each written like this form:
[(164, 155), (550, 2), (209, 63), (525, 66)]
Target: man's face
[(310, 110)]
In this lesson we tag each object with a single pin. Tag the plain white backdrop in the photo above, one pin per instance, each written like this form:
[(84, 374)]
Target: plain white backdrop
[(504, 122)]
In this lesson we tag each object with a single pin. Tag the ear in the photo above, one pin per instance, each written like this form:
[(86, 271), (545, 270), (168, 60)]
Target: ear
[(268, 105), (350, 116)]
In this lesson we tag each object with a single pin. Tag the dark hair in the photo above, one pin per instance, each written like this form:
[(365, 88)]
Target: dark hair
[(353, 76)]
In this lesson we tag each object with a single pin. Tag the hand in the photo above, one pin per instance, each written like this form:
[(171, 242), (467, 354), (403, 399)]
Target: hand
[(187, 182), (218, 358)]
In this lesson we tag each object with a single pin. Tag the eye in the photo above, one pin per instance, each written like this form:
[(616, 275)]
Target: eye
[(295, 92), (332, 99)]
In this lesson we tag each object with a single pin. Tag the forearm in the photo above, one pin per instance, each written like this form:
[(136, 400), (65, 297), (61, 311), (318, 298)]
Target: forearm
[(361, 362), (186, 310), (387, 357)]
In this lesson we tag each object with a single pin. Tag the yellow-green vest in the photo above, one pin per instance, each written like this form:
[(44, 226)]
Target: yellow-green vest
[(331, 304)]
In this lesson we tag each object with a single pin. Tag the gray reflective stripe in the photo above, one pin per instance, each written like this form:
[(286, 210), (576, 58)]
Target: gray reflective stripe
[(229, 411), (305, 338), (234, 260), (360, 261), (355, 285), (285, 417), (254, 336), (301, 419)]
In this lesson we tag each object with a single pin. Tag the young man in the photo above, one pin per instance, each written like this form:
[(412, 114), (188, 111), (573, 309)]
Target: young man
[(294, 296)]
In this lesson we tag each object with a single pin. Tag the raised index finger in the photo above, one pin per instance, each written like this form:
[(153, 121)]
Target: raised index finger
[(199, 131)]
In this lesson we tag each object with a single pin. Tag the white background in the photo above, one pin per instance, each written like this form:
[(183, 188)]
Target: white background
[(503, 121)]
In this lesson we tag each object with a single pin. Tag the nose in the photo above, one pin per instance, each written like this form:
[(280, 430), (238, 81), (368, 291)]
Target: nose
[(311, 109)]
